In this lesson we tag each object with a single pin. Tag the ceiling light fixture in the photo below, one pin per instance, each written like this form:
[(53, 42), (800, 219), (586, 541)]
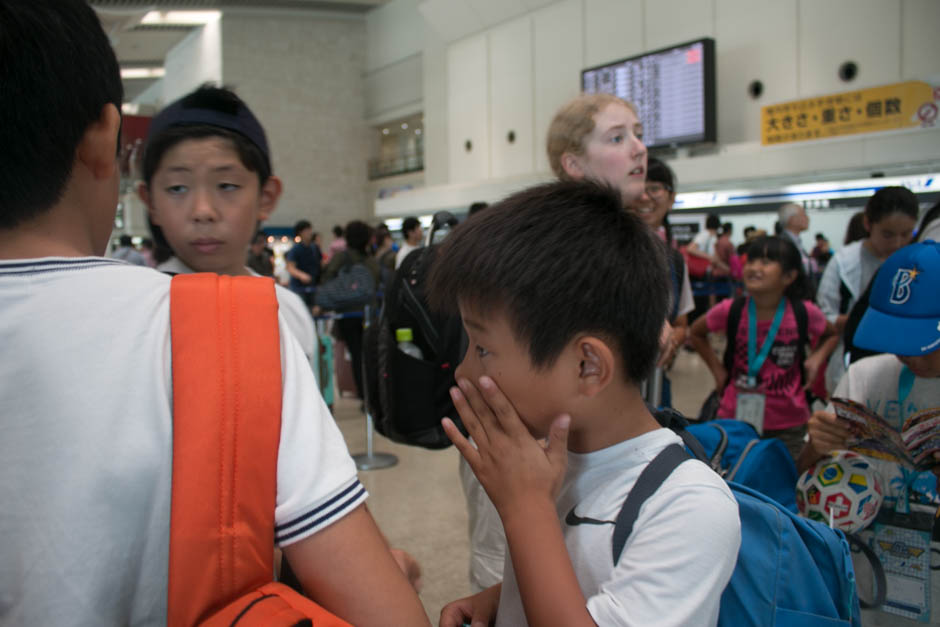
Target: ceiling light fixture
[(142, 72), (190, 18)]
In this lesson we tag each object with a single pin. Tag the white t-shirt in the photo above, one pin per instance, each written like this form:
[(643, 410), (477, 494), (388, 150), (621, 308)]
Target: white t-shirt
[(705, 242), (86, 445), (873, 381), (295, 312), (403, 252), (678, 559), (686, 299)]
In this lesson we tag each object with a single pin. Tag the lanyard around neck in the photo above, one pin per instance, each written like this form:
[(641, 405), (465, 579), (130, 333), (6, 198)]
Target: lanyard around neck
[(905, 384), (756, 360)]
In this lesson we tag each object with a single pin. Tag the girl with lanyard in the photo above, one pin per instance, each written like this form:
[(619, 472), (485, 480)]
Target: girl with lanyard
[(767, 383)]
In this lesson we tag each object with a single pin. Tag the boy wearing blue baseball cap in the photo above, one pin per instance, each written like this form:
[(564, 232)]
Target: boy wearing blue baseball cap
[(903, 322)]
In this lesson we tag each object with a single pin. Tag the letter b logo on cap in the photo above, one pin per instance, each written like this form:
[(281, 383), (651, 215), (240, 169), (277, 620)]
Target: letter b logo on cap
[(901, 286)]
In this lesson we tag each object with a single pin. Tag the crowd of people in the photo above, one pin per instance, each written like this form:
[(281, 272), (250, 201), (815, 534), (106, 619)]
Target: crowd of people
[(572, 293)]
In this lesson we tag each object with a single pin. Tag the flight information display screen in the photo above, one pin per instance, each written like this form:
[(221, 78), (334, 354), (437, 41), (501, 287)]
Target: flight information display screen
[(673, 89)]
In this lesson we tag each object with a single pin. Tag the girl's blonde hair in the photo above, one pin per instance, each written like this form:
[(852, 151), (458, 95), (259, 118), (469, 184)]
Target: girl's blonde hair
[(572, 123)]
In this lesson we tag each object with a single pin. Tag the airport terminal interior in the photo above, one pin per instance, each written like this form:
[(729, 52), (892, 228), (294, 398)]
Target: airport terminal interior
[(381, 110)]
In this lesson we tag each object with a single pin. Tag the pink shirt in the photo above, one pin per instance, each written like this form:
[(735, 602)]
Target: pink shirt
[(779, 377)]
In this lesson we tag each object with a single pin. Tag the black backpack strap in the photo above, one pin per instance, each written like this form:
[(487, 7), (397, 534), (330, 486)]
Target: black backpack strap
[(648, 482), (802, 333), (878, 572), (845, 297), (731, 331)]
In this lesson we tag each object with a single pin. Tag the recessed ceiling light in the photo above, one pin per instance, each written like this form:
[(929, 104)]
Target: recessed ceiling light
[(417, 131), (404, 126), (385, 131), (192, 18), (142, 72)]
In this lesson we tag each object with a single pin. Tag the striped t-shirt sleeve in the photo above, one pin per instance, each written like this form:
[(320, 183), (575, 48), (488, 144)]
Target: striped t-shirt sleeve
[(322, 515)]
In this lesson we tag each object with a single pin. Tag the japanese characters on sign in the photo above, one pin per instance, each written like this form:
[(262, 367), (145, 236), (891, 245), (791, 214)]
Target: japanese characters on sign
[(910, 104)]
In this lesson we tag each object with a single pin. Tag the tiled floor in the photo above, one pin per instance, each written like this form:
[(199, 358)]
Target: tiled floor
[(419, 503)]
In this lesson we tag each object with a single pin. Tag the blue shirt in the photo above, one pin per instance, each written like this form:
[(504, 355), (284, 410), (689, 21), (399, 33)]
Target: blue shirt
[(306, 258)]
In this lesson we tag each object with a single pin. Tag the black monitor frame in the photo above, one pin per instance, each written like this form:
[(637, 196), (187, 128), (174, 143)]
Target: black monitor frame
[(710, 134)]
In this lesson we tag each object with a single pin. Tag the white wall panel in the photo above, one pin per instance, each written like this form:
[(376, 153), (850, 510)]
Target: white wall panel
[(394, 87), (669, 22), (920, 52), (559, 59), (613, 29), (832, 32), (436, 125), (468, 109), (394, 31), (493, 12), (451, 19), (755, 40), (510, 89)]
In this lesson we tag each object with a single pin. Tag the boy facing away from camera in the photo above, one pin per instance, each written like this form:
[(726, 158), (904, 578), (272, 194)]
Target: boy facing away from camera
[(562, 296), (86, 404)]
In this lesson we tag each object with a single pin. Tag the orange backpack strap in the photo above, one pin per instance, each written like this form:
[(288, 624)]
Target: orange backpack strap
[(226, 430)]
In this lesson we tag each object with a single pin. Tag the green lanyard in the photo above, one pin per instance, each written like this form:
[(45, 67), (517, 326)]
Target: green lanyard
[(755, 360), (905, 384)]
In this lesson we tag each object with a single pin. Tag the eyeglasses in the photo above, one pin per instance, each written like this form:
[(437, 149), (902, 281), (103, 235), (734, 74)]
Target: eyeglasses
[(655, 189)]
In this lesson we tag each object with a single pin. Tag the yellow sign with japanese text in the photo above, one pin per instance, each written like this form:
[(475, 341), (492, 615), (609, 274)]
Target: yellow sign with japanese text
[(910, 104)]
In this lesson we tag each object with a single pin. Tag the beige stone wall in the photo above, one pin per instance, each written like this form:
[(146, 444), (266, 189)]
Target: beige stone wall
[(302, 76)]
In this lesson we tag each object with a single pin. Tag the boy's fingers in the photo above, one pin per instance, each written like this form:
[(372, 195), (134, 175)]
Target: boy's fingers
[(470, 419), (469, 452), (502, 409), (478, 405)]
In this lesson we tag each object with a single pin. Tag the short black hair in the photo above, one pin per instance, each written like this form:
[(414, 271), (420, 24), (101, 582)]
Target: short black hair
[(658, 172), (727, 227), (300, 226), (712, 221), (888, 200), (477, 206), (855, 230), (782, 250), (57, 72), (125, 240), (561, 259), (358, 234), (409, 225), (338, 231), (749, 229)]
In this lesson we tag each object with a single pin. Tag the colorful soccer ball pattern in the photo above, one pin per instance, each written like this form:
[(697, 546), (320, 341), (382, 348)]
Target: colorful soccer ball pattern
[(846, 485)]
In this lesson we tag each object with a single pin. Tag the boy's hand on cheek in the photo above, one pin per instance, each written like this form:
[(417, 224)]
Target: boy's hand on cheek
[(512, 465)]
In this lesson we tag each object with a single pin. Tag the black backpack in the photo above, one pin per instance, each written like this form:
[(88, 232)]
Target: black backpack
[(709, 409), (406, 396)]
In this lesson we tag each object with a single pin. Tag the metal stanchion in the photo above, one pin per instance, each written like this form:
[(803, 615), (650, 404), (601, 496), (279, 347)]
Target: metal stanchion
[(370, 460)]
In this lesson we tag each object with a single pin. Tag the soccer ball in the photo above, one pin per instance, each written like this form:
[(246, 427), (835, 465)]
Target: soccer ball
[(844, 488)]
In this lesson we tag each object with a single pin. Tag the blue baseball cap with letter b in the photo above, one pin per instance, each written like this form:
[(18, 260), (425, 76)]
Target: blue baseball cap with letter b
[(903, 315)]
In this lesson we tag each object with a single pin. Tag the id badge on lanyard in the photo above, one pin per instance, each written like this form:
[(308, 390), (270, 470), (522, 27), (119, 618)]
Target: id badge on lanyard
[(751, 403)]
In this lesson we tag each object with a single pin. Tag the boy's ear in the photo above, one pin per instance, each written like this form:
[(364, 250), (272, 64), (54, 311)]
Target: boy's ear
[(143, 192), (572, 166), (270, 194), (97, 149), (596, 365)]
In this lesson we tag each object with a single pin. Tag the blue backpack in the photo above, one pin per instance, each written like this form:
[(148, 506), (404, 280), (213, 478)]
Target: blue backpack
[(790, 570), (736, 452)]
